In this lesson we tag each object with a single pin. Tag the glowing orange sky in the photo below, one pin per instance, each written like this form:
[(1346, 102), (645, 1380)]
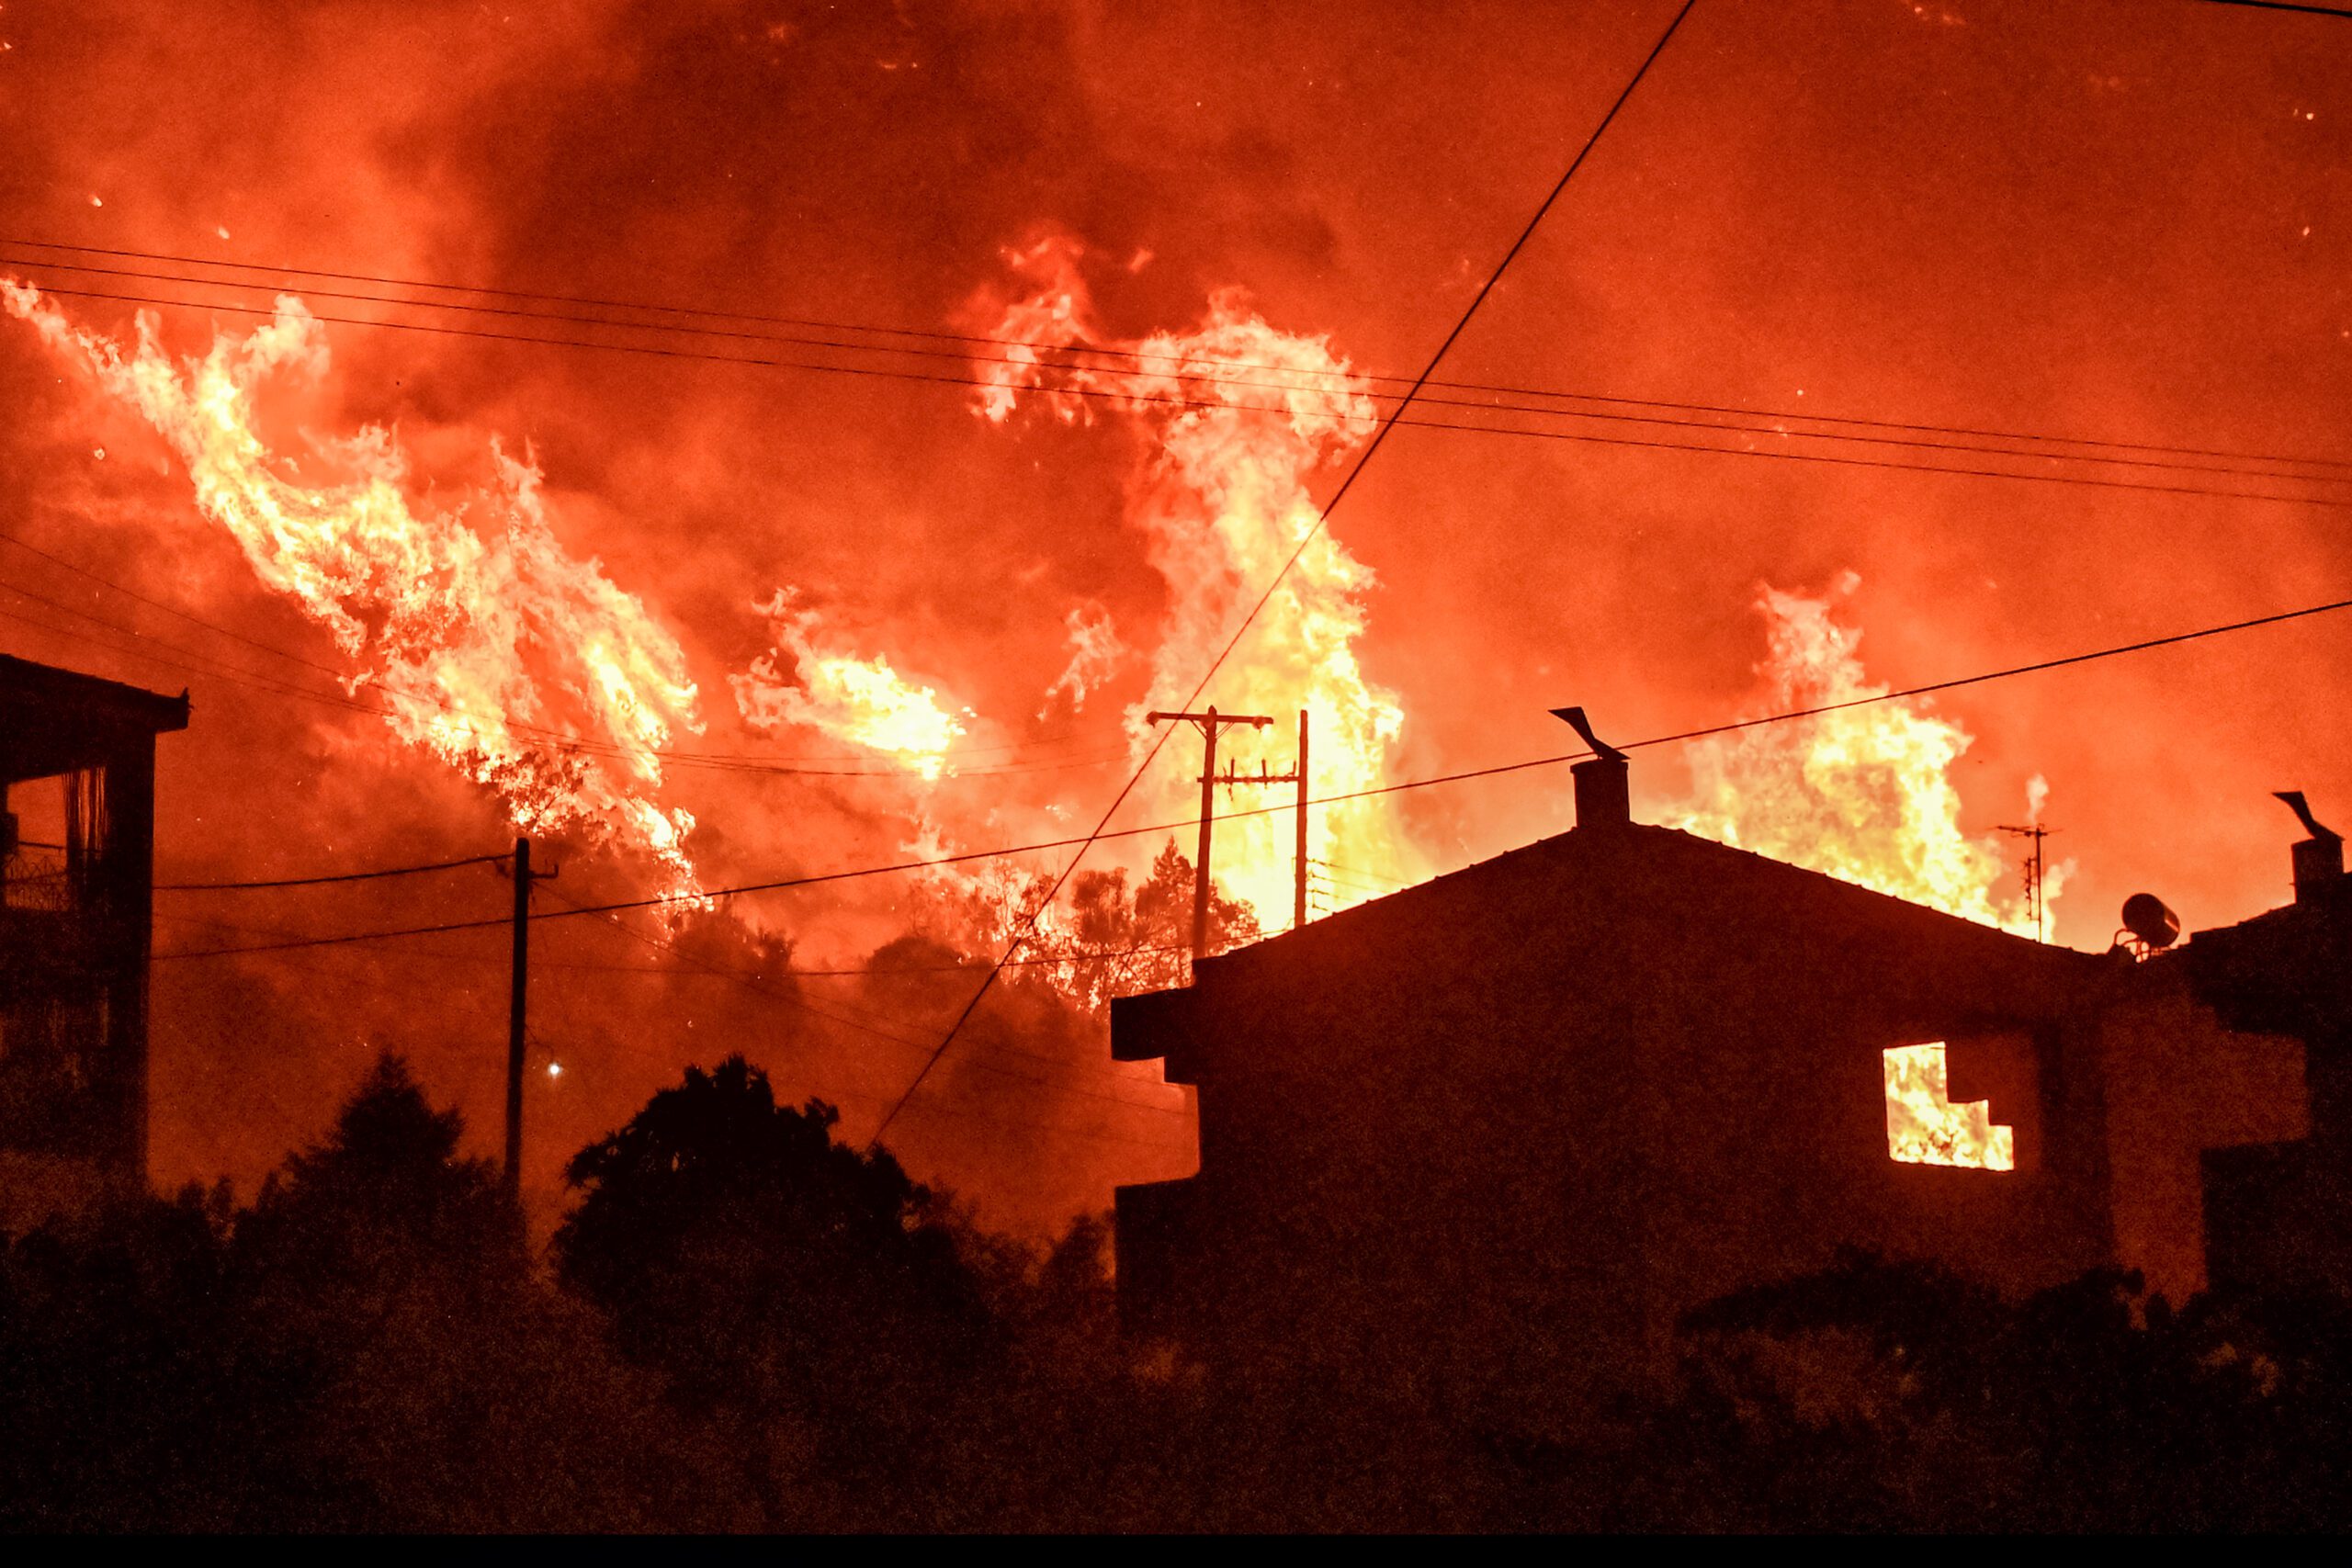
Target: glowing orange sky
[(2132, 222)]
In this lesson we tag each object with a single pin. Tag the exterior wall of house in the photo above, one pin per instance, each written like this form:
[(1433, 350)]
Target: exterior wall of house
[(2180, 1084), (2279, 1214), (75, 912), (1506, 1128)]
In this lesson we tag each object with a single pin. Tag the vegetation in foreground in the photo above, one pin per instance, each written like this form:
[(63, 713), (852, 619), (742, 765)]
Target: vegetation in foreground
[(745, 1324)]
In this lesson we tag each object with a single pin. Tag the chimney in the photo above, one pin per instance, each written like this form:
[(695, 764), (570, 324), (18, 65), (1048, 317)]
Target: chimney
[(2319, 860), (1603, 800)]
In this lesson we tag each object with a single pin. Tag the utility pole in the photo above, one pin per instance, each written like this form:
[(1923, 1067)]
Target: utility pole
[(1233, 779), (2033, 834), (518, 997), (1208, 724)]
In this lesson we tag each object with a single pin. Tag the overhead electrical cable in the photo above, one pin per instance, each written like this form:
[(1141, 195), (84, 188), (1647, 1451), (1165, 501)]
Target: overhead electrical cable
[(1336, 381), (337, 876), (1307, 536), (848, 1019), (663, 900), (1389, 420), (744, 762), (351, 981), (2283, 5), (1342, 383)]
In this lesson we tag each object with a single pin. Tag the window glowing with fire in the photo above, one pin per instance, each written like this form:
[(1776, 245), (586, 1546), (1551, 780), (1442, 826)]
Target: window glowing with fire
[(1924, 1127)]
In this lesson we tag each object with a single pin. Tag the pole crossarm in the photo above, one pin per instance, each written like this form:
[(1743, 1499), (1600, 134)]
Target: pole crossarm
[(1234, 778), (1208, 724), (1209, 720)]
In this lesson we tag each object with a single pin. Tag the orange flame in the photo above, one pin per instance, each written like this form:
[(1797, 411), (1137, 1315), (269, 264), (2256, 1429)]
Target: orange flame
[(521, 666), (1924, 1127), (1223, 500), (861, 701), (1864, 795)]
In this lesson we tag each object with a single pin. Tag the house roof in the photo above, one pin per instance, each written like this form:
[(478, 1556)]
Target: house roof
[(1670, 849), (57, 720), (1740, 886)]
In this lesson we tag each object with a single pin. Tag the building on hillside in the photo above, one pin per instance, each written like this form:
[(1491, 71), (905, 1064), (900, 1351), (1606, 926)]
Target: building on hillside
[(77, 759), (1505, 1127)]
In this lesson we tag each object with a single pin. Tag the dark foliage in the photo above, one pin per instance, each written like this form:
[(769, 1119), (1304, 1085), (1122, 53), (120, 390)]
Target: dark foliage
[(793, 1286), (1887, 1396), (753, 1324), (367, 1346)]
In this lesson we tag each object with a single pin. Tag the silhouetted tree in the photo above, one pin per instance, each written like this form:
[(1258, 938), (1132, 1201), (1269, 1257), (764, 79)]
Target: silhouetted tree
[(1148, 932), (435, 1381), (782, 1280), (1880, 1395), (368, 1347), (120, 1407)]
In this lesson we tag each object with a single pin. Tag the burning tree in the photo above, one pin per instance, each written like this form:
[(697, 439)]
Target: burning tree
[(1105, 939)]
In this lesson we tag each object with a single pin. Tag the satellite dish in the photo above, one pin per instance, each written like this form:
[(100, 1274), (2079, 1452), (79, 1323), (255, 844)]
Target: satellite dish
[(2145, 917)]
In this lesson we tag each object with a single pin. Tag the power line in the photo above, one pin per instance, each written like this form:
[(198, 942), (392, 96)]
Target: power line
[(2282, 5), (1359, 881), (338, 876), (852, 1021), (1361, 871), (675, 952), (1340, 381), (31, 548), (359, 982), (190, 661), (1387, 422), (1322, 517), (200, 663), (1495, 770)]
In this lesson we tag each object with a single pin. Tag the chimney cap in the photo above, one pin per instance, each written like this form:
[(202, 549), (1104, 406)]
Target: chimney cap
[(1583, 727), (2303, 810)]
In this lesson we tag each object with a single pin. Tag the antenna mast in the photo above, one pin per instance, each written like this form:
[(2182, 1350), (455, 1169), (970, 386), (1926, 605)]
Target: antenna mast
[(2033, 834)]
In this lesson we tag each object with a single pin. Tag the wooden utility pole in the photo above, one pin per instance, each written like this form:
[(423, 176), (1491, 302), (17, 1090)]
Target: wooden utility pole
[(1208, 724), (517, 1007), (1232, 778)]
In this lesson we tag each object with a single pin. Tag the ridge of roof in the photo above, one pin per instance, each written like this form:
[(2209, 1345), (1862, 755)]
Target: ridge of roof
[(1672, 840)]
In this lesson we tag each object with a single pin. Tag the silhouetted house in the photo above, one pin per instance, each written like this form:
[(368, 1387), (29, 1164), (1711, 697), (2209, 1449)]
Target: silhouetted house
[(77, 757), (1505, 1127), (2280, 1214)]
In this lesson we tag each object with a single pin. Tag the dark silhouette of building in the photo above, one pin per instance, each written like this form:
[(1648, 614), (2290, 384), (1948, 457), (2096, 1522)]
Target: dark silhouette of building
[(2281, 1212), (77, 759), (1505, 1127)]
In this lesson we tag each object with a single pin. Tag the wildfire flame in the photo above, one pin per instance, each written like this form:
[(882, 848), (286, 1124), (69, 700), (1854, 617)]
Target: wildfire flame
[(1222, 502), (1924, 1127), (861, 701), (1863, 795), (523, 667)]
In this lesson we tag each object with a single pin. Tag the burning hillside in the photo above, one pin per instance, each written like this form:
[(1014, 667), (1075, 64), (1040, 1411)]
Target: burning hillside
[(523, 667), (1865, 794), (1236, 421)]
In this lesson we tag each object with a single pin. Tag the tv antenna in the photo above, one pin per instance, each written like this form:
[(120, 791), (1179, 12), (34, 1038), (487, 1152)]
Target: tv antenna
[(2035, 864)]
